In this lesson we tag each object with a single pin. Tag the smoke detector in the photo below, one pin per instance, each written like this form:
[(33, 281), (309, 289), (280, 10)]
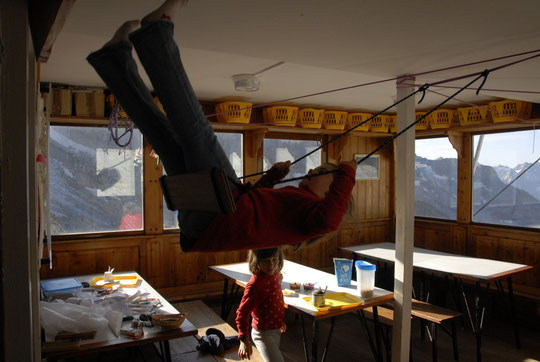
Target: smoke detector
[(246, 82)]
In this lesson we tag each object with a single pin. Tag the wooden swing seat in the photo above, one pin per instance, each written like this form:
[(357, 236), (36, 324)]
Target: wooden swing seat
[(205, 191)]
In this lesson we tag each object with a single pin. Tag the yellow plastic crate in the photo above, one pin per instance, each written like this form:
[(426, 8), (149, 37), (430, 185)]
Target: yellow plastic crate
[(233, 112), (310, 117), (379, 124), (392, 123), (335, 120), (423, 124), (281, 115), (474, 115), (510, 110), (354, 119), (442, 118)]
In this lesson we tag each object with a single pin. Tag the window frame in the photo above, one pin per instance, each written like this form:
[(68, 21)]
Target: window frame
[(471, 181), (91, 122)]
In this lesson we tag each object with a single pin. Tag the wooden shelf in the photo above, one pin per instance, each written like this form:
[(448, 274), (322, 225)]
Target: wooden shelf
[(479, 128), (240, 127)]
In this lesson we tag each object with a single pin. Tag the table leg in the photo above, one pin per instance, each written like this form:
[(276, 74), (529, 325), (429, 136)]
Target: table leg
[(332, 323), (513, 312), (314, 341), (304, 340), (362, 318), (377, 330), (476, 325), (224, 300), (166, 351)]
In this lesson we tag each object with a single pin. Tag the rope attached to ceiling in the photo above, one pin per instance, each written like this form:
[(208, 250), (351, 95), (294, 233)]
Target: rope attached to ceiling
[(483, 75)]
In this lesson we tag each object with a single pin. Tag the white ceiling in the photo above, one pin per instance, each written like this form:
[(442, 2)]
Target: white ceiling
[(325, 45)]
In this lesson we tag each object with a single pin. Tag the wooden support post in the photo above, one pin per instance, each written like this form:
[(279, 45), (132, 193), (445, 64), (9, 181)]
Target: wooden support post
[(337, 147), (405, 173), (462, 143), (47, 18), (19, 286), (253, 143), (153, 198)]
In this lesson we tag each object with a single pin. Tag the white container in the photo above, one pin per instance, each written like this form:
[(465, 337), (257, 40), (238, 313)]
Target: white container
[(365, 276)]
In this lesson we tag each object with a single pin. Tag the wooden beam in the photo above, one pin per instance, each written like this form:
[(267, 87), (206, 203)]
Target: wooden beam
[(253, 153), (337, 147), (153, 198), (404, 184), (47, 18), (462, 143)]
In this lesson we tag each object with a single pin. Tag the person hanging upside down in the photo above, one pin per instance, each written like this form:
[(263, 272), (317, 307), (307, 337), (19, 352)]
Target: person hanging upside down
[(185, 142)]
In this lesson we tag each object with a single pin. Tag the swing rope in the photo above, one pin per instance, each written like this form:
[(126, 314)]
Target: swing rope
[(483, 75)]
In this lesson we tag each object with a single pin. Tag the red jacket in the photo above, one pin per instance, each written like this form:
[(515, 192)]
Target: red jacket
[(263, 300), (266, 217)]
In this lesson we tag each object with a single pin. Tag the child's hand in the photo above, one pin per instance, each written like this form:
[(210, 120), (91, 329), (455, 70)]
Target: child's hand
[(279, 170), (283, 328), (351, 163), (245, 350)]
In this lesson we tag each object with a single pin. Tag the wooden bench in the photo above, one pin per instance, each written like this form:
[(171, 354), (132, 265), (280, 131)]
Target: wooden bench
[(202, 317), (430, 316)]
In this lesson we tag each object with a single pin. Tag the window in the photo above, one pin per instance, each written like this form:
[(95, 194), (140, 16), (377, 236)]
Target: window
[(436, 179), (277, 150), (94, 185), (232, 144), (499, 196)]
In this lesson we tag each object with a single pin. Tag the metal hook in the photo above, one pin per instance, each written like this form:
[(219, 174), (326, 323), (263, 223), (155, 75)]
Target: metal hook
[(423, 89), (485, 74)]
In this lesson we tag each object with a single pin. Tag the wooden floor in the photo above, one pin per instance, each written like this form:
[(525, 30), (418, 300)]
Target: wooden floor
[(350, 344)]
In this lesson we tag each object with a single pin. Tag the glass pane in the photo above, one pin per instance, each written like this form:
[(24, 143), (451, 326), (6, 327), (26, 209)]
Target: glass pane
[(501, 159), (95, 186), (278, 150), (232, 144), (435, 179)]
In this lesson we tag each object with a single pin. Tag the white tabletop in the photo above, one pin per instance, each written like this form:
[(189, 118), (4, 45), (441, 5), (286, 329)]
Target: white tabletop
[(298, 273), (446, 263), (107, 340)]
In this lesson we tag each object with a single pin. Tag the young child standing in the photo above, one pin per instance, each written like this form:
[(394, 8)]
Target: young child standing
[(263, 300)]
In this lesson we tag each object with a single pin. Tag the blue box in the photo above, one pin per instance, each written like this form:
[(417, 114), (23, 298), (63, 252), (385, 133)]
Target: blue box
[(61, 288), (343, 268)]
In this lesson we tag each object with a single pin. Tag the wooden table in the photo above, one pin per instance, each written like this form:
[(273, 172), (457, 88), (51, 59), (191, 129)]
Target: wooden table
[(460, 268), (294, 272), (107, 341)]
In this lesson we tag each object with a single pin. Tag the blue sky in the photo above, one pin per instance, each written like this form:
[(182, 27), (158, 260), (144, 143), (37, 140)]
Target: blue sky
[(507, 149)]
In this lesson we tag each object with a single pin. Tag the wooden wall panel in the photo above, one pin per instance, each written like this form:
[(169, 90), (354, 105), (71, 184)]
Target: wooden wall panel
[(373, 198), (91, 257), (511, 245)]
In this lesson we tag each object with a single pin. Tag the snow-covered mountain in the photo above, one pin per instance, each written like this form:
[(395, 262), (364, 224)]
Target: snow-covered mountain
[(530, 181), (436, 192)]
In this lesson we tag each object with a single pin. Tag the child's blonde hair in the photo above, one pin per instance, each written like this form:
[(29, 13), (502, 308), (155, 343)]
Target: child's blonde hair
[(255, 256)]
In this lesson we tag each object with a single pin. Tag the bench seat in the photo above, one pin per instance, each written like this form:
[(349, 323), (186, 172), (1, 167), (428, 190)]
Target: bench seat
[(430, 315), (202, 317)]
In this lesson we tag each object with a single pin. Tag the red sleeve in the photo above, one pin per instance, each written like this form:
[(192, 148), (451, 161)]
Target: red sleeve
[(266, 180), (250, 300), (327, 216)]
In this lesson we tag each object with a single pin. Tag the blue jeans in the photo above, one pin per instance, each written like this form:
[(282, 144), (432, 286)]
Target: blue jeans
[(184, 139)]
